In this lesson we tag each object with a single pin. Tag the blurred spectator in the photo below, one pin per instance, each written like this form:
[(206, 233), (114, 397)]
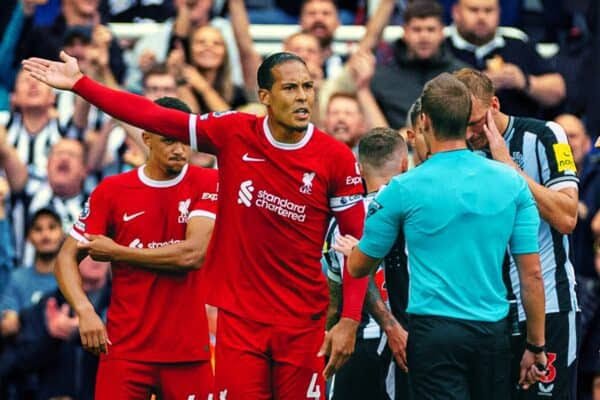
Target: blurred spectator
[(6, 245), (344, 120), (62, 192), (320, 18), (584, 236), (417, 57), (189, 15), (118, 147), (207, 76), (32, 129), (11, 29), (136, 10), (46, 42), (524, 82), (91, 47), (287, 12), (511, 11), (48, 343), (26, 285)]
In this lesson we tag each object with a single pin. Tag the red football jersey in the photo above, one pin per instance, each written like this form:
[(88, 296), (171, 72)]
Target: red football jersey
[(275, 202), (153, 316)]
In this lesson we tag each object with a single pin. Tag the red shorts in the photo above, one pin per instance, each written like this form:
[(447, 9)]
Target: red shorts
[(128, 380), (256, 361)]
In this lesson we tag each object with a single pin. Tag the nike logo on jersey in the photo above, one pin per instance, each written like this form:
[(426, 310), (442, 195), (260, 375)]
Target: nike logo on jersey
[(247, 158), (127, 218)]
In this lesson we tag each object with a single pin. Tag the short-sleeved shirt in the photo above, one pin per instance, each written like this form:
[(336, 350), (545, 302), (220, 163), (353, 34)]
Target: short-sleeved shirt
[(154, 316), (25, 287), (541, 150), (515, 51), (457, 229), (275, 203)]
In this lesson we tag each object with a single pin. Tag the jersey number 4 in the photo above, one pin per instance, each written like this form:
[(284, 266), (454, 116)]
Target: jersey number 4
[(314, 390)]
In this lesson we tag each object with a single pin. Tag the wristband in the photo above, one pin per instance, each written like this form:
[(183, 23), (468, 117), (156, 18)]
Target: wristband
[(535, 349)]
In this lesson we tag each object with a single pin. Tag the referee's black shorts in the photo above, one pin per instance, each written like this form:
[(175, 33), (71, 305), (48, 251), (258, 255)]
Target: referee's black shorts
[(562, 343), (458, 359)]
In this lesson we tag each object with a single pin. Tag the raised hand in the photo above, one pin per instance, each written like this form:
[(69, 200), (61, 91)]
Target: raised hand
[(58, 321), (60, 75)]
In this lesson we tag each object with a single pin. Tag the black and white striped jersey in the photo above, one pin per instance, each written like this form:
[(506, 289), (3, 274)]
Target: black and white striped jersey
[(541, 150)]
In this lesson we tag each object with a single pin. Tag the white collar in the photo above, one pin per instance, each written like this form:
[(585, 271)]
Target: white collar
[(161, 184), (287, 146), (480, 51)]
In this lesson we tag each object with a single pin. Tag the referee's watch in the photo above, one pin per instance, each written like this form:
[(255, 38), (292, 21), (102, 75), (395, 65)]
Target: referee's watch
[(535, 349)]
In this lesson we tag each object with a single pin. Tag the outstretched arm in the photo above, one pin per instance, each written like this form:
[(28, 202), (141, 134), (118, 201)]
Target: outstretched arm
[(133, 109)]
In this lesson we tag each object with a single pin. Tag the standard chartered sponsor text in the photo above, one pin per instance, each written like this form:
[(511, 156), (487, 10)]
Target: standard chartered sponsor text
[(280, 206)]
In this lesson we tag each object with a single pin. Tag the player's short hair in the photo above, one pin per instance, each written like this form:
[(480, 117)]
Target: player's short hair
[(478, 83), (378, 146), (156, 69), (413, 113), (172, 102), (265, 71), (447, 103), (423, 9)]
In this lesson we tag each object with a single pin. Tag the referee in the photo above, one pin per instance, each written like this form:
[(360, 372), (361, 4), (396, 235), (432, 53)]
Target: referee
[(456, 232)]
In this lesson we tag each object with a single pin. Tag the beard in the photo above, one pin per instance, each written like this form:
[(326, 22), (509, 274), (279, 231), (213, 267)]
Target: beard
[(475, 39)]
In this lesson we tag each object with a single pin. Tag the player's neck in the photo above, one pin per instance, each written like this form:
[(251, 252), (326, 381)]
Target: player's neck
[(501, 120), (373, 184), (284, 134)]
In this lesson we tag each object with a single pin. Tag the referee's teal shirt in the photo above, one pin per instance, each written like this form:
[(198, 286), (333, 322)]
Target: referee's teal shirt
[(459, 212)]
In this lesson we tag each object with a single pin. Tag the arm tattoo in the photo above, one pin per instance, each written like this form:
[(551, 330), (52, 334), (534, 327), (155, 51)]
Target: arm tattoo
[(335, 298)]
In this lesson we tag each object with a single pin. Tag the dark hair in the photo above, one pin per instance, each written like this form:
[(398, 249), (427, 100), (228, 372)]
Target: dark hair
[(377, 147), (46, 211), (423, 9), (172, 102), (413, 113), (156, 69), (305, 2), (265, 73), (478, 83), (447, 103)]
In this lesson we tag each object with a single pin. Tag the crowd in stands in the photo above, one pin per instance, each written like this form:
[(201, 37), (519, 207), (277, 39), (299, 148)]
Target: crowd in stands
[(55, 147)]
